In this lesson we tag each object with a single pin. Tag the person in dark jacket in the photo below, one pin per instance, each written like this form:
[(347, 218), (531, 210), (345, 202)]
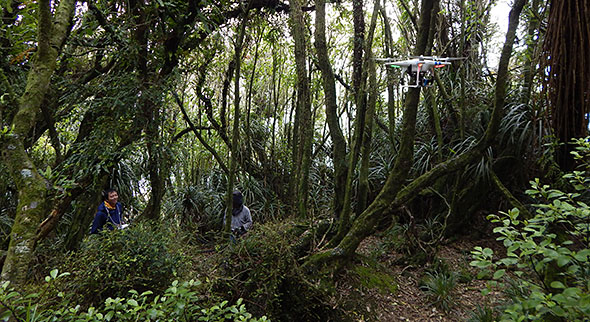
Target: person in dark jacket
[(109, 212), (241, 220)]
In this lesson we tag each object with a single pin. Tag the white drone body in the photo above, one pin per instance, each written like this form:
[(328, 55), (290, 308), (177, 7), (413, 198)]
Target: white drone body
[(420, 68)]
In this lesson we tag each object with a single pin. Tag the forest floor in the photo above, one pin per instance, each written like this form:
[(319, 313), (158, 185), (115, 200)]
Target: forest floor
[(409, 302)]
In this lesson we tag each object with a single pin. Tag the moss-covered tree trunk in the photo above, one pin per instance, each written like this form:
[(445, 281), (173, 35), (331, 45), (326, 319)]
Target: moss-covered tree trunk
[(305, 126), (388, 52), (359, 118), (371, 90), (394, 194), (157, 171), (329, 84), (32, 188)]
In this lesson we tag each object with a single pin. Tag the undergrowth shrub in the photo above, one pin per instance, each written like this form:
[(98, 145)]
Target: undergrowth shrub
[(261, 268), (113, 262), (546, 269), (180, 302)]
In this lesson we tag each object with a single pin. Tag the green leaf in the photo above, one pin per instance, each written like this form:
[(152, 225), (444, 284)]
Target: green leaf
[(499, 273), (571, 292), (480, 264), (557, 284), (53, 273), (582, 255), (132, 302), (557, 310), (109, 315), (508, 261), (563, 260)]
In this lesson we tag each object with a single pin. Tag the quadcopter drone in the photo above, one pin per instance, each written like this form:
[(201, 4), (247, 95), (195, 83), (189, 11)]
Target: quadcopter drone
[(419, 68)]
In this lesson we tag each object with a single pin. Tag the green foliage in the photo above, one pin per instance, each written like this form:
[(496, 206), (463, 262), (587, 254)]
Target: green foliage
[(261, 268), (113, 262), (180, 302), (548, 256), (439, 284), (262, 261)]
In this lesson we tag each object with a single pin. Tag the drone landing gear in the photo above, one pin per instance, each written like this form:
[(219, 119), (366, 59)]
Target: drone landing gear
[(420, 79)]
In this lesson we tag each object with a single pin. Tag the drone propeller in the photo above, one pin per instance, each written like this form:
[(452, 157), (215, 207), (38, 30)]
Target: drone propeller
[(421, 57), (385, 60)]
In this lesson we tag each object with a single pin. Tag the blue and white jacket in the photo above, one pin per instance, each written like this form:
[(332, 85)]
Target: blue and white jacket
[(110, 217)]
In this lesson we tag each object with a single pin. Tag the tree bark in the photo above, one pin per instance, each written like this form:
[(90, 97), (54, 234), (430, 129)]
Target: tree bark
[(566, 45), (32, 188), (305, 126), (387, 51), (329, 85), (371, 90), (359, 119)]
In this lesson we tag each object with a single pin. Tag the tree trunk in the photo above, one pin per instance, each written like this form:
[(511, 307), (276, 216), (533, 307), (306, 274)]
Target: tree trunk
[(305, 126), (567, 63), (156, 170), (371, 89), (387, 51), (235, 130), (32, 188), (359, 119), (329, 84)]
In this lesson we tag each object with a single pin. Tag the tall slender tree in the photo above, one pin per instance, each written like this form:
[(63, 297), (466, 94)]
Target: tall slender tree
[(329, 85), (305, 126)]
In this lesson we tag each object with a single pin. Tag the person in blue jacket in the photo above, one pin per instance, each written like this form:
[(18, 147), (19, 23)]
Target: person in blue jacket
[(109, 212)]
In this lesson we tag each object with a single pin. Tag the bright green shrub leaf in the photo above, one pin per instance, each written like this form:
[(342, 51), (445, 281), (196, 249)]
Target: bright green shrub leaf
[(557, 310), (499, 273), (132, 302), (557, 284), (582, 255), (571, 292), (563, 260), (109, 315)]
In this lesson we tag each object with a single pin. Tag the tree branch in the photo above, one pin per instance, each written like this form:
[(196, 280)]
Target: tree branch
[(198, 134)]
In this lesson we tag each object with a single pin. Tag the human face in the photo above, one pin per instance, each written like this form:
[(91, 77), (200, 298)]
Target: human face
[(113, 197)]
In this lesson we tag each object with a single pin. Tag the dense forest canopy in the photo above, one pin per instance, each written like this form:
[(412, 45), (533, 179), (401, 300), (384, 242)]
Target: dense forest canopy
[(176, 104)]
